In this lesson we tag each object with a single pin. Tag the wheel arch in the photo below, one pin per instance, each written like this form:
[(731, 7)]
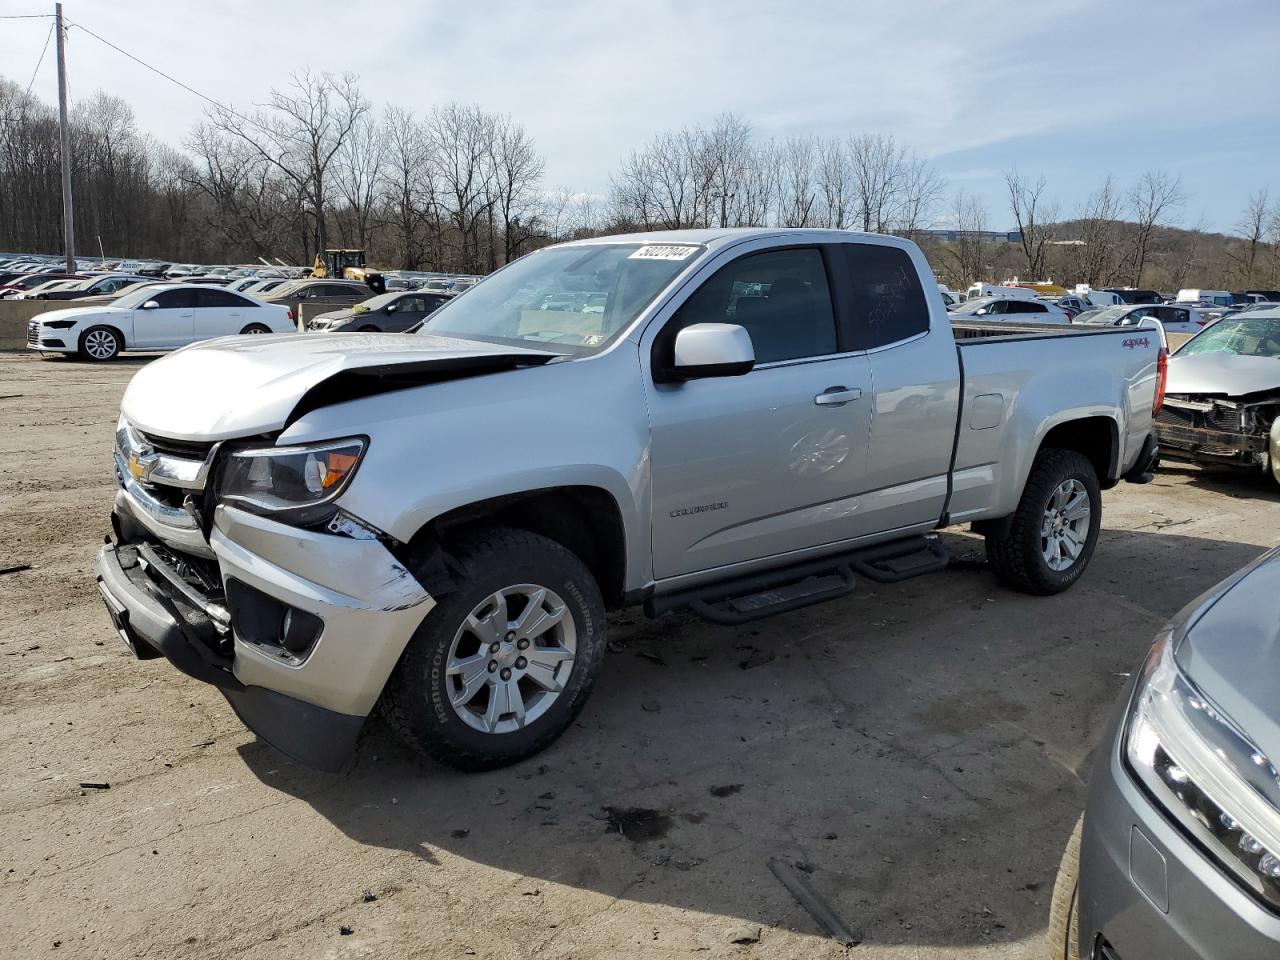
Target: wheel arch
[(585, 520), (113, 327), (1097, 438)]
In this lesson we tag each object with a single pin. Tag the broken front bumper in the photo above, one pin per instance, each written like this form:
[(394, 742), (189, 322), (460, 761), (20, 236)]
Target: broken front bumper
[(309, 699)]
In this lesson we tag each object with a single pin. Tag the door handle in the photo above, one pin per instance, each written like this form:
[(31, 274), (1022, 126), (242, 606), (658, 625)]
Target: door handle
[(837, 396)]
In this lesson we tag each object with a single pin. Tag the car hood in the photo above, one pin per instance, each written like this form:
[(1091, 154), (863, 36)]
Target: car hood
[(1232, 652), (78, 313), (334, 316), (1227, 374), (244, 386)]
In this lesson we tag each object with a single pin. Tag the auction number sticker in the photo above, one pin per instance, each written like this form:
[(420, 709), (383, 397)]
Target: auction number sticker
[(663, 251)]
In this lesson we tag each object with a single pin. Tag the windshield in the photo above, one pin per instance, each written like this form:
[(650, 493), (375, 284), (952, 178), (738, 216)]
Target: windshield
[(1104, 316), (1245, 337), (577, 297), (138, 296), (375, 303), (971, 307)]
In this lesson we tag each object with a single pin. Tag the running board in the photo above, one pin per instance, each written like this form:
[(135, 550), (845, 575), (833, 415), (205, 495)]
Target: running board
[(756, 596)]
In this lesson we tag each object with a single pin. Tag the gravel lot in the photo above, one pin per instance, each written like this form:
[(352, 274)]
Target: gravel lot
[(918, 749)]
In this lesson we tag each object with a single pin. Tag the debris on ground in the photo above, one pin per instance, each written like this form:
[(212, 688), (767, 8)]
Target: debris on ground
[(814, 905), (651, 706), (744, 934), (651, 657), (758, 659), (345, 931), (368, 896), (726, 790), (91, 785), (15, 569), (637, 824)]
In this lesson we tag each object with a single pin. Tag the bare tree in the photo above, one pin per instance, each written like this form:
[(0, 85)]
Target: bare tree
[(299, 133), (1100, 229), (517, 169), (799, 186), (919, 190), (1035, 217), (1253, 227), (968, 255), (1154, 196), (836, 184), (358, 175), (877, 167)]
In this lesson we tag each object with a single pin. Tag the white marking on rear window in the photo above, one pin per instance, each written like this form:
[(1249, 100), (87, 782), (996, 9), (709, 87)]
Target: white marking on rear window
[(663, 251)]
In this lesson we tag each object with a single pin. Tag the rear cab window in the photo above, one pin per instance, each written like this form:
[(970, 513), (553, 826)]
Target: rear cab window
[(886, 303)]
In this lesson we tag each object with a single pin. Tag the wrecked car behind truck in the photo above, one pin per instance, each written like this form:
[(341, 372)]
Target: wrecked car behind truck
[(1223, 400)]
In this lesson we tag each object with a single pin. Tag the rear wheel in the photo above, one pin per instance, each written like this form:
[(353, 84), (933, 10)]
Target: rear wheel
[(1047, 543), (100, 344), (502, 665), (367, 328), (1063, 936), (255, 328)]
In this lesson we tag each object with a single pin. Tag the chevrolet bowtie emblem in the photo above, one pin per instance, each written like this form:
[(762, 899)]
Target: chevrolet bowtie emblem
[(135, 467)]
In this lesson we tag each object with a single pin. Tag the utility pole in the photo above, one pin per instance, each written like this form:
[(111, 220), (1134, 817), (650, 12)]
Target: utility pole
[(68, 226)]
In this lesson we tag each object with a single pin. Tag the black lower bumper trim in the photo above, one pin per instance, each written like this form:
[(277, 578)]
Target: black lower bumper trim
[(150, 621), (312, 735)]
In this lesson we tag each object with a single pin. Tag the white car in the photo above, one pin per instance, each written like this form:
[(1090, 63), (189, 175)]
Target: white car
[(154, 318), (1173, 317), (1010, 309)]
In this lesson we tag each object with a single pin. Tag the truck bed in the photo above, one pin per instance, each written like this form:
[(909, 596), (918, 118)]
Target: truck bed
[(1017, 380)]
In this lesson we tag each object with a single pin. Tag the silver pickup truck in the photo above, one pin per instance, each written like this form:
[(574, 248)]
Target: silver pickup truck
[(737, 422)]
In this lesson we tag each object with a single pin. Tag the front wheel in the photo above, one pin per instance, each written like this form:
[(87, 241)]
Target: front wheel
[(255, 329), (500, 668), (1045, 546), (100, 344)]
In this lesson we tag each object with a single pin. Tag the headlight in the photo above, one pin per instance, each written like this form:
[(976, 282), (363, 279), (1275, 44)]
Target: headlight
[(1206, 773), (301, 481)]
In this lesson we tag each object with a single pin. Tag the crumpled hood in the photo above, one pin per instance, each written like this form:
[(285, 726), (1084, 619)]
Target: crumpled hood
[(1228, 374), (1232, 653), (243, 386)]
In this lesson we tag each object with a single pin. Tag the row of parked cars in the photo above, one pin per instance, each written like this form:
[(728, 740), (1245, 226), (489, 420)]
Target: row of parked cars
[(1187, 312), (158, 315)]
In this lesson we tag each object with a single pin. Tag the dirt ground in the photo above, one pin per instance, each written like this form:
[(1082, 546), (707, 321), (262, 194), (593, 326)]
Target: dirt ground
[(918, 749)]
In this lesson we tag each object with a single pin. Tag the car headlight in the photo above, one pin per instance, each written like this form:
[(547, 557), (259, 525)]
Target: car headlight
[(1205, 772), (300, 481)]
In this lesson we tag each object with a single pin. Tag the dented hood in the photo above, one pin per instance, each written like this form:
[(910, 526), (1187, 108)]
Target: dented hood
[(243, 386), (1227, 374)]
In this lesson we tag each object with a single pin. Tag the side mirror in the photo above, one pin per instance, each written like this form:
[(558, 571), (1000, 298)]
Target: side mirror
[(392, 308), (980, 312), (151, 305), (711, 350)]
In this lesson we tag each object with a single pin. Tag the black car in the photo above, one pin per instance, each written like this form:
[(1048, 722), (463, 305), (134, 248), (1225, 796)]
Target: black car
[(387, 313)]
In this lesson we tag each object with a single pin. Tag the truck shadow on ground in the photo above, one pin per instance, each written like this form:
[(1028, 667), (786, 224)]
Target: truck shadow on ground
[(918, 751)]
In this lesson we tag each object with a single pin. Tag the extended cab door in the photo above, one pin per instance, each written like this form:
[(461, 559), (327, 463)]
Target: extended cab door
[(916, 397), (748, 467), (169, 323)]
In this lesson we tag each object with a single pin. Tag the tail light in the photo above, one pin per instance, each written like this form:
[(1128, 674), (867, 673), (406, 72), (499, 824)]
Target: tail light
[(291, 313), (1162, 377)]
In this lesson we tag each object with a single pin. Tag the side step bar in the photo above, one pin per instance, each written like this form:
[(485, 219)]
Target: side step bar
[(755, 596)]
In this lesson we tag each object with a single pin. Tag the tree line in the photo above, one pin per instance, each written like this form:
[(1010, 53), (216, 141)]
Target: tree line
[(459, 188)]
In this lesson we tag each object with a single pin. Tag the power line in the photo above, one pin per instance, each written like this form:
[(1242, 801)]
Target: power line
[(43, 51), (25, 16), (189, 89)]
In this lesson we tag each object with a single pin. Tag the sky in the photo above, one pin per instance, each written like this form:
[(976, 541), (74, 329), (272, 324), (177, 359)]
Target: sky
[(1072, 90)]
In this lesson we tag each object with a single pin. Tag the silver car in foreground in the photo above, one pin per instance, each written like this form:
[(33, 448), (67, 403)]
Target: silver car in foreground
[(1179, 856)]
